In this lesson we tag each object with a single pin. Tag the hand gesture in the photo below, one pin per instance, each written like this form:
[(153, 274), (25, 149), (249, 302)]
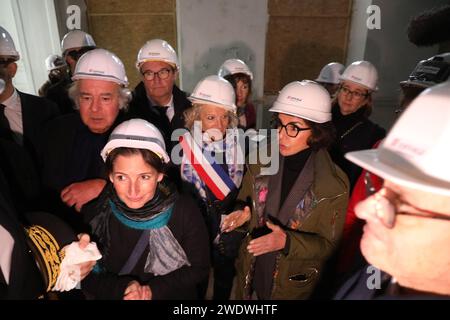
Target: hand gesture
[(235, 219), (274, 241), (79, 193), (135, 291)]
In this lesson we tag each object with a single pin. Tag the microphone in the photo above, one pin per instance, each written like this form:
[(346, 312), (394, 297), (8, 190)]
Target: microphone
[(430, 27)]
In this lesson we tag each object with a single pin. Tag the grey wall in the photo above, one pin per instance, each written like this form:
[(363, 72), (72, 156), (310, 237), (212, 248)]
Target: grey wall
[(33, 27), (62, 15), (211, 31), (391, 52)]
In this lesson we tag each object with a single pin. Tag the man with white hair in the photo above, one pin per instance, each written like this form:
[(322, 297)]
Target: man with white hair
[(72, 170), (406, 235)]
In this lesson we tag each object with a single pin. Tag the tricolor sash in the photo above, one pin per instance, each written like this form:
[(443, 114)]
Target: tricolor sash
[(212, 174)]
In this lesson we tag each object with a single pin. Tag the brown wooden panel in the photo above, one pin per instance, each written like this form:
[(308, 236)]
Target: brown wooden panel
[(302, 37), (309, 7), (298, 48), (130, 6), (125, 34)]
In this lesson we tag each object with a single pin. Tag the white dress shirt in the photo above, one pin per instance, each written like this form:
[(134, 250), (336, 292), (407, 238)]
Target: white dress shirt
[(13, 113), (6, 248), (170, 109), (170, 112)]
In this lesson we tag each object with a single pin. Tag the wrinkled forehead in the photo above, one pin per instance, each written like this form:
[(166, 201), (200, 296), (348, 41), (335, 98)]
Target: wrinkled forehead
[(211, 109), (155, 66), (94, 86), (354, 86)]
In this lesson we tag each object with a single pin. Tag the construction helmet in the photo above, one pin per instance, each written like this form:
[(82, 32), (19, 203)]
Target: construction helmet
[(76, 39), (233, 66), (414, 158), (306, 99), (214, 90), (363, 73), (138, 134), (54, 61), (100, 64), (157, 50), (330, 73), (7, 48), (430, 72)]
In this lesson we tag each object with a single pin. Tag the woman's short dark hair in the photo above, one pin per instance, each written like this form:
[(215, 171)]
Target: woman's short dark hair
[(235, 78), (149, 157), (322, 134)]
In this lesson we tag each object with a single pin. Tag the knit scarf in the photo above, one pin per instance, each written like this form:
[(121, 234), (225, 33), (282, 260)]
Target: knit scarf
[(165, 253), (233, 158)]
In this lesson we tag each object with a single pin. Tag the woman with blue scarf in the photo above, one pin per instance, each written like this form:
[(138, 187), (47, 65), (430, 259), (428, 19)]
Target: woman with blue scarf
[(153, 240), (212, 168)]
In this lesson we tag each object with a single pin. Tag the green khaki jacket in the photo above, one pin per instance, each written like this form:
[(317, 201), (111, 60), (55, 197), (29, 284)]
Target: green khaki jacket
[(312, 238)]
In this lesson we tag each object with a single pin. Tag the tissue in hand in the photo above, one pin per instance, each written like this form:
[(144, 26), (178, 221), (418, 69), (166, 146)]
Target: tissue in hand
[(69, 273)]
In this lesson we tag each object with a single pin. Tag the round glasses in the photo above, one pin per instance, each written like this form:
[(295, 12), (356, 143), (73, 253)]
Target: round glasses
[(400, 207), (162, 74), (291, 129), (355, 94)]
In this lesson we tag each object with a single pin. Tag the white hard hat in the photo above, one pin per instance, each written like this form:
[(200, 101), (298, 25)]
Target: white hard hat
[(100, 64), (331, 73), (429, 72), (54, 61), (214, 90), (157, 50), (363, 73), (138, 134), (306, 99), (233, 66), (416, 151), (76, 39), (7, 47)]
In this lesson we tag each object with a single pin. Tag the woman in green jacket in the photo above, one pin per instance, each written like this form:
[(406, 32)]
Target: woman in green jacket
[(297, 214)]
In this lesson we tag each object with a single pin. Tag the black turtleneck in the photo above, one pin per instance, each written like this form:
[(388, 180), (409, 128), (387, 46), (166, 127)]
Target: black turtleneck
[(292, 167)]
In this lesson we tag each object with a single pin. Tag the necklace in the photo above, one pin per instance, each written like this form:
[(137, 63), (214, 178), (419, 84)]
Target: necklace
[(351, 129)]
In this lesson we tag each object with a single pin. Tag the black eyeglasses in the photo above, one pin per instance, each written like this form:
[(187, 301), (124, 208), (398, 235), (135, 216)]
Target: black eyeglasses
[(401, 207), (291, 129), (356, 94), (76, 54), (162, 74)]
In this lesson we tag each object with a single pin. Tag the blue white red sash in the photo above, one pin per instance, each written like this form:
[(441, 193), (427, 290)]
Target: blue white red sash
[(212, 174)]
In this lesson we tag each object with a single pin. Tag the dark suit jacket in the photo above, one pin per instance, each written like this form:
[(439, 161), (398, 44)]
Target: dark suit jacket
[(25, 281), (36, 112), (360, 286), (140, 108), (58, 93), (19, 163), (20, 174), (70, 154)]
